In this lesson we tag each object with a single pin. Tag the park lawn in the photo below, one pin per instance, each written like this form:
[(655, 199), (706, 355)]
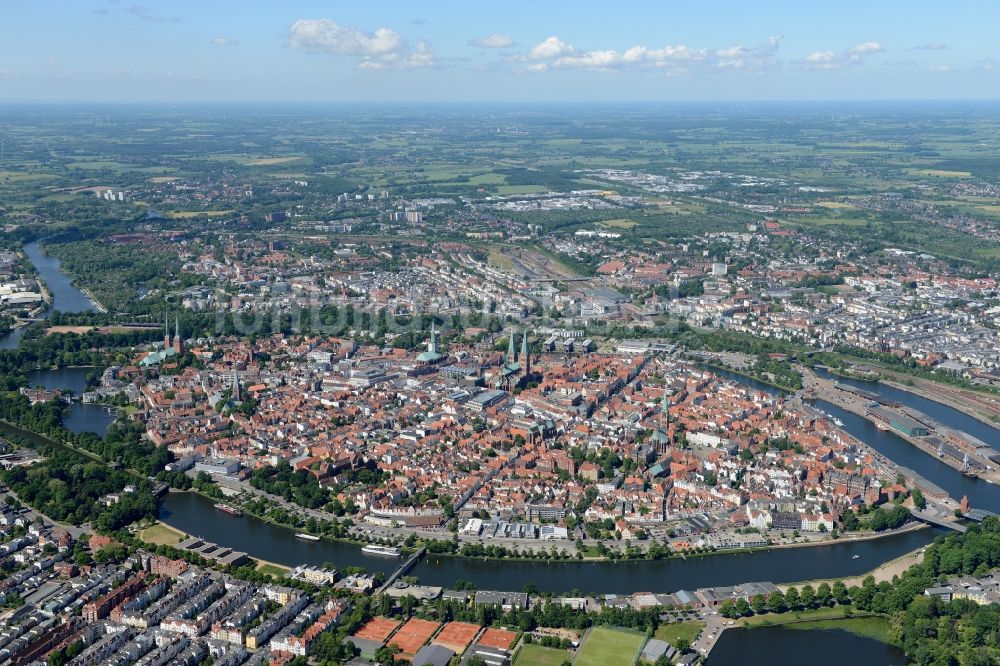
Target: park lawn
[(161, 535), (271, 569), (877, 628), (536, 655), (674, 631), (869, 625), (607, 647)]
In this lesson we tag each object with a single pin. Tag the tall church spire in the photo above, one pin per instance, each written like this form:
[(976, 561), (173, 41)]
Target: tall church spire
[(510, 348), (525, 359), (166, 330), (178, 341)]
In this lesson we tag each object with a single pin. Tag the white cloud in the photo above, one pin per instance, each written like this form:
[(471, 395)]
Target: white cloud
[(830, 60), (857, 52), (422, 55), (677, 59), (224, 41), (822, 60), (939, 68), (494, 41), (553, 47), (930, 46), (383, 48), (326, 36)]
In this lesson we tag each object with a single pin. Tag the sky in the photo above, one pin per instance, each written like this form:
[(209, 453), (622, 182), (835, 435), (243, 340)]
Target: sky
[(508, 51)]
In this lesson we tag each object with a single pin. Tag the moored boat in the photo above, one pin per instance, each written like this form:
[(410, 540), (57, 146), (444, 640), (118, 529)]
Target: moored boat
[(381, 550), (231, 510), (307, 537)]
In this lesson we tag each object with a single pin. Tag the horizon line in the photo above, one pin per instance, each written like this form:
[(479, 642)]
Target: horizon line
[(384, 102)]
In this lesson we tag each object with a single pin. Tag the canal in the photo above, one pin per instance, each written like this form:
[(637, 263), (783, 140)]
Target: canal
[(196, 515), (765, 646)]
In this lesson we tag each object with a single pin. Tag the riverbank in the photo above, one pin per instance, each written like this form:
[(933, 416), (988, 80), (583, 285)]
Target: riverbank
[(463, 563), (673, 555), (44, 440), (883, 572), (941, 394), (859, 623), (735, 371), (867, 625), (959, 399), (824, 389), (93, 299), (857, 536), (161, 534)]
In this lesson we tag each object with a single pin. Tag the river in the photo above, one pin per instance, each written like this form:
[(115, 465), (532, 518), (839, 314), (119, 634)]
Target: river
[(80, 417), (65, 297), (195, 514), (981, 494), (765, 646), (948, 416)]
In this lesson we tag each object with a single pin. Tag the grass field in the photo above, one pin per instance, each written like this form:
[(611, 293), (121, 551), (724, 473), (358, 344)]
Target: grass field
[(619, 223), (161, 535), (536, 655), (868, 625), (940, 173), (771, 619), (271, 161), (499, 260), (825, 221), (97, 164), (608, 647), (674, 631), (833, 204), (271, 569), (521, 189), (488, 179), (877, 628)]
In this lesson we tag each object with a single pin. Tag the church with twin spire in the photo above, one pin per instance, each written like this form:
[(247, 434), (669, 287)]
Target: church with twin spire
[(515, 369)]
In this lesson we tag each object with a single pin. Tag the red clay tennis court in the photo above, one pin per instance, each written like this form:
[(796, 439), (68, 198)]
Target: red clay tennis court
[(497, 638), (456, 636), (412, 635), (377, 629)]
